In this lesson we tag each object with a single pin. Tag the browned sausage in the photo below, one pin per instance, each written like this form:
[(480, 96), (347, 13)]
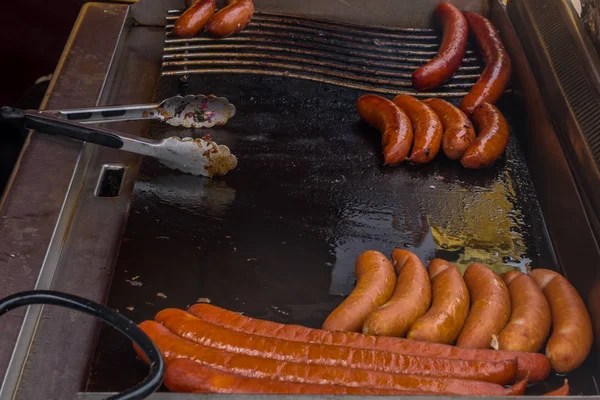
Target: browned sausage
[(534, 365), (490, 307), (375, 281), (186, 376), (231, 19), (411, 298), (491, 141), (173, 347), (392, 122), (450, 307), (561, 391), (194, 18), (458, 130), (571, 339), (454, 42), (209, 335), (427, 128), (529, 324), (496, 74)]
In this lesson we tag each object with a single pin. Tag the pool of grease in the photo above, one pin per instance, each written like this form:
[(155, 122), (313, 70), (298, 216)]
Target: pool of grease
[(277, 237)]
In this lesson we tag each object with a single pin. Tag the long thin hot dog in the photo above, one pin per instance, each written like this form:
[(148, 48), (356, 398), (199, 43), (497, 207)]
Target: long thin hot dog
[(445, 64), (571, 339), (529, 324), (231, 19), (411, 298), (207, 334), (393, 123), (458, 129), (195, 18), (448, 313), (173, 347), (427, 128), (490, 307), (496, 74), (492, 140), (534, 365)]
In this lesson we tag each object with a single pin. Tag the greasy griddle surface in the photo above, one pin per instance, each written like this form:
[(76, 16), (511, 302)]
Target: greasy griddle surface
[(277, 237)]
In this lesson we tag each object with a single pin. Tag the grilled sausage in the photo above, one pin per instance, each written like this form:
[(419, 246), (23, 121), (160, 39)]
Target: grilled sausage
[(394, 125), (529, 324), (450, 307), (195, 18), (427, 128), (490, 307), (458, 130), (454, 42), (496, 73), (536, 366), (231, 19), (571, 338), (561, 391), (491, 141), (173, 347), (207, 334), (411, 298), (186, 376), (375, 281)]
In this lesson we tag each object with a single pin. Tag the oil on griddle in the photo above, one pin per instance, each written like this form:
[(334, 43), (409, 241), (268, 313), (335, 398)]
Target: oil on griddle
[(277, 237)]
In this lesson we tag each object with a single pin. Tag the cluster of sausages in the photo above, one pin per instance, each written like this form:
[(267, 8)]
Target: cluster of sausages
[(201, 13), (479, 310), (210, 349)]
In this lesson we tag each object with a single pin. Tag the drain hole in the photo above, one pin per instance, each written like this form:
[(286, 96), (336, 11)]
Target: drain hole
[(110, 181)]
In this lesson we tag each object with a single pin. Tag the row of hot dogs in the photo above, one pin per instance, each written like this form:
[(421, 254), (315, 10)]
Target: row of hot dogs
[(201, 13), (209, 349), (480, 310)]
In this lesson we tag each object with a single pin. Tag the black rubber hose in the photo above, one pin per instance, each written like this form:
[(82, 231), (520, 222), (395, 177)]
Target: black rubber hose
[(157, 365)]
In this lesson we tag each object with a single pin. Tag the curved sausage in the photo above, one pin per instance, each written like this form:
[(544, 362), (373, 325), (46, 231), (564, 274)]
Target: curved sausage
[(186, 376), (491, 141), (496, 73), (173, 347), (490, 307), (534, 365), (454, 42), (449, 309), (411, 298), (529, 324), (392, 122), (195, 18), (427, 128), (561, 391), (231, 19), (458, 130), (375, 281), (192, 328), (571, 338)]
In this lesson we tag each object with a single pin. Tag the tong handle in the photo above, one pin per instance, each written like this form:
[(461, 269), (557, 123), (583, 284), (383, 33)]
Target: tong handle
[(53, 125)]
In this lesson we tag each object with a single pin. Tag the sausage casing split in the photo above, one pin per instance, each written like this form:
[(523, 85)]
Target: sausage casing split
[(449, 309), (492, 138), (411, 298), (458, 129), (534, 365), (192, 328), (195, 18), (231, 19), (571, 338), (529, 324), (427, 128), (173, 347), (454, 42), (394, 125), (375, 282), (490, 307), (496, 73)]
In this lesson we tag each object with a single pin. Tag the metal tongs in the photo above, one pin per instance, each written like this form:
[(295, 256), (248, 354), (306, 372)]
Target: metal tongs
[(194, 156)]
